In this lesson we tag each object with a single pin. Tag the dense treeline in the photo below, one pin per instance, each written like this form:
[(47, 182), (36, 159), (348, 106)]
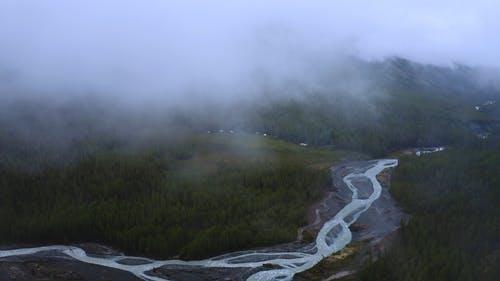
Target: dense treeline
[(454, 230), (397, 121), (143, 203)]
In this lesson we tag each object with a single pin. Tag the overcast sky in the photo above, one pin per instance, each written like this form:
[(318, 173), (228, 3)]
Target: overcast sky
[(156, 47)]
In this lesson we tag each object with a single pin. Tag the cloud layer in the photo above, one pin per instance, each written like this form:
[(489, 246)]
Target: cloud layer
[(182, 50)]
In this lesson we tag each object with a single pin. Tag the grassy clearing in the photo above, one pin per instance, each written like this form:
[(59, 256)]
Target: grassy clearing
[(209, 151)]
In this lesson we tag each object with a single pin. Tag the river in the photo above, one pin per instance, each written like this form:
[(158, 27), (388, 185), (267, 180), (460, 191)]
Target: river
[(273, 263)]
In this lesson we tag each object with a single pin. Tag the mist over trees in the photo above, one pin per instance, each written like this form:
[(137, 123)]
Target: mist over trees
[(374, 107), (184, 129)]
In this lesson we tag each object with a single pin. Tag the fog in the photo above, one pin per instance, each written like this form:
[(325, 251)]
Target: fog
[(181, 51), (134, 70)]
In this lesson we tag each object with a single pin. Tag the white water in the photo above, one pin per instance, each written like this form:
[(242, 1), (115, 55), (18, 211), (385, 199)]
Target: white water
[(428, 150), (333, 236)]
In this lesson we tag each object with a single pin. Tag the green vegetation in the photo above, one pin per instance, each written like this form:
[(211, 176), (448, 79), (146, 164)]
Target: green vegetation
[(386, 123), (453, 234), (152, 181), (195, 196)]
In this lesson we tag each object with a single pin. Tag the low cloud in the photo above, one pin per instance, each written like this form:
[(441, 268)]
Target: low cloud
[(181, 51)]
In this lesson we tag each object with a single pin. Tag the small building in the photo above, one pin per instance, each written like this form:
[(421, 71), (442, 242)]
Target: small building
[(483, 136)]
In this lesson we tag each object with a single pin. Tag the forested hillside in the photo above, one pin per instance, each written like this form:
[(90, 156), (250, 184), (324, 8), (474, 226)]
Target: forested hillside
[(405, 105), (193, 197), (453, 234), (207, 178)]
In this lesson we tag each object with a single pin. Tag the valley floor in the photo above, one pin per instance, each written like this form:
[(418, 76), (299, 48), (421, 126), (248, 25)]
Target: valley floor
[(248, 267)]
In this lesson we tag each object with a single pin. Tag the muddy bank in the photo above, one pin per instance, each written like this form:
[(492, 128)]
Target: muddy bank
[(373, 232), (54, 268), (335, 197), (199, 273), (383, 217)]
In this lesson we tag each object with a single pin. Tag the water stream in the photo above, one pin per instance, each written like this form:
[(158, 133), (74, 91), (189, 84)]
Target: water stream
[(333, 236)]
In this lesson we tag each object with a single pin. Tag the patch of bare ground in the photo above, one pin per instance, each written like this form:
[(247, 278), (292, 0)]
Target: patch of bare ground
[(55, 269), (333, 267), (322, 210), (316, 217), (384, 178)]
